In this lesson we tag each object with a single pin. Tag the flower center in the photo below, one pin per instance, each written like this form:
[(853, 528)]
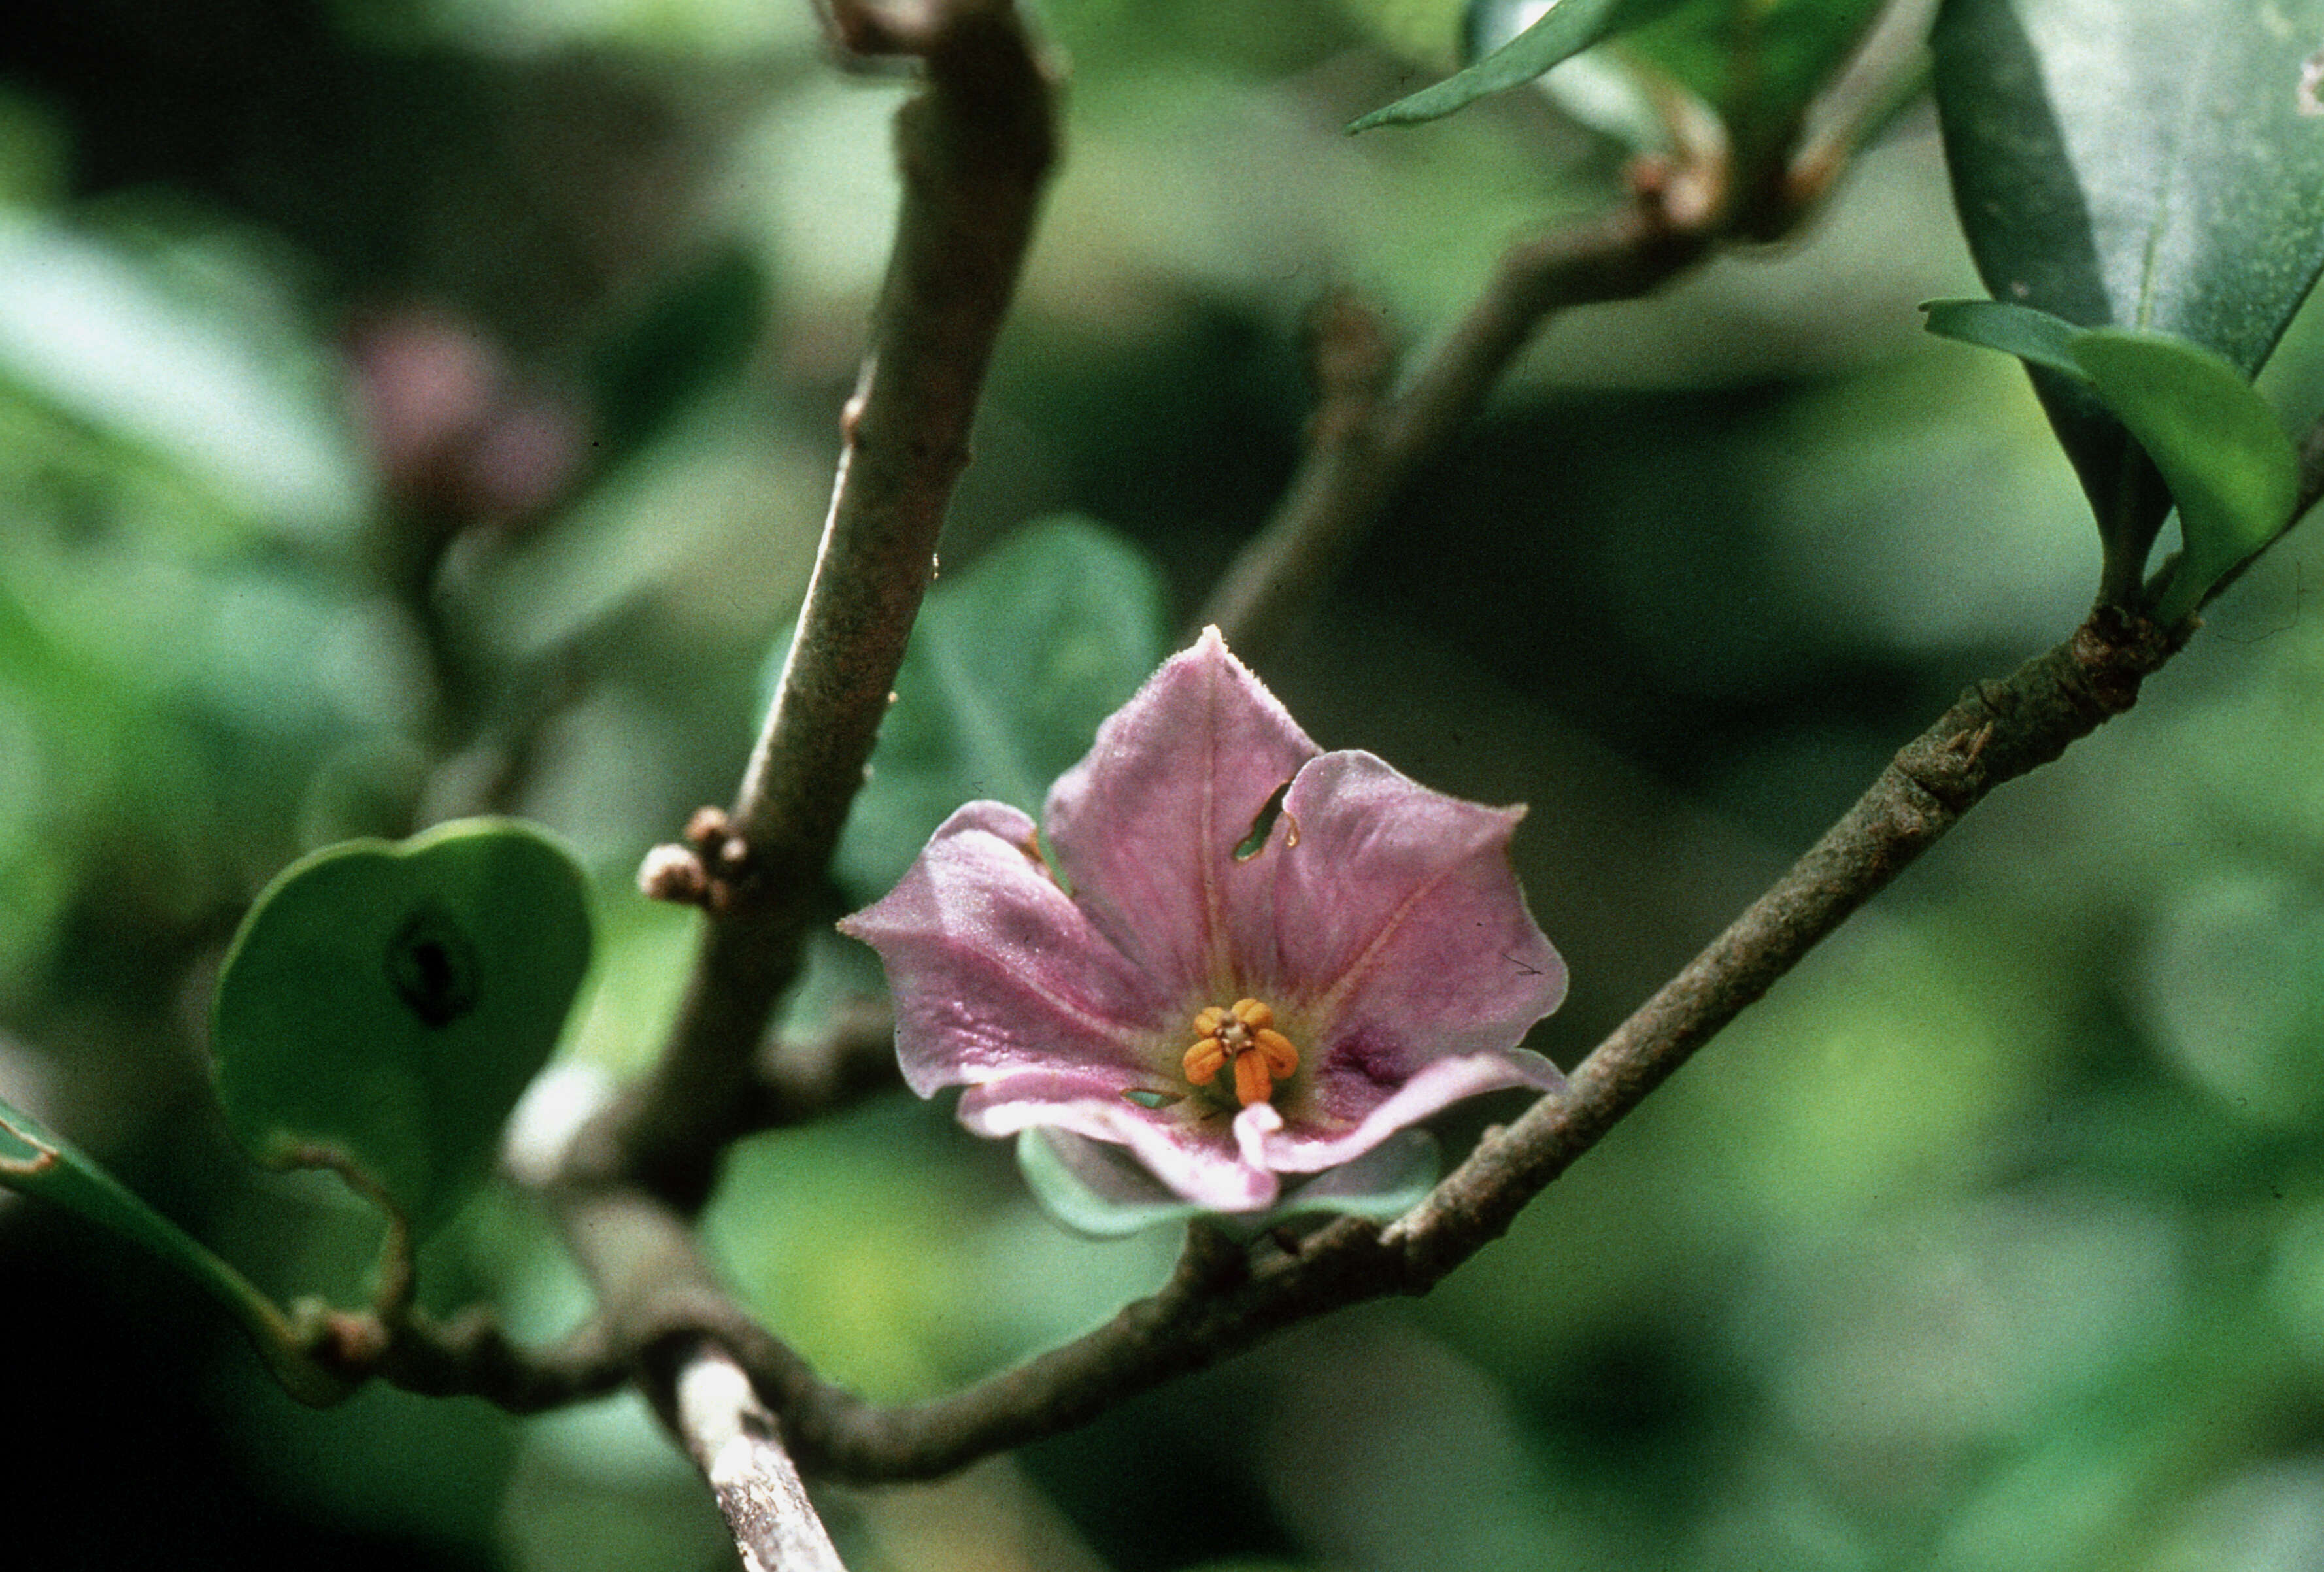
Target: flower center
[(1242, 1035)]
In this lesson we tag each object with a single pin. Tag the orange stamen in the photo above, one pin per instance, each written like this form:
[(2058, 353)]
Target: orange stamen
[(1252, 1083), (1204, 1060), (1242, 1035)]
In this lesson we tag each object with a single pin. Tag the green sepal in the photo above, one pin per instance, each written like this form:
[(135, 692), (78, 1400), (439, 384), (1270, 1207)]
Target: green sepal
[(1097, 1188)]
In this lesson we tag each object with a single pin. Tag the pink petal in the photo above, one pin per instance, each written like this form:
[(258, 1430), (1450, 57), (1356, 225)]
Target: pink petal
[(1398, 918), (1144, 827), (994, 969), (1194, 1157), (1303, 1148)]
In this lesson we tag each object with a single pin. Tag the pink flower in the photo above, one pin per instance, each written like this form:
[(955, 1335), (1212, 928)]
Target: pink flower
[(1231, 990)]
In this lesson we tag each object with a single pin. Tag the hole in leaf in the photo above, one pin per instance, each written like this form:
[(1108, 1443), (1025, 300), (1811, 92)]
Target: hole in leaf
[(1250, 845), (432, 968)]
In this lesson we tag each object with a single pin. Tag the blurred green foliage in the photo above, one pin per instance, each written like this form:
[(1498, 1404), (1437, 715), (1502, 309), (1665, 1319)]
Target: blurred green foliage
[(376, 447)]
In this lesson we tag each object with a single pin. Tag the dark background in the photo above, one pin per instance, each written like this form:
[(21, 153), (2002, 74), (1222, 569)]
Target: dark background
[(406, 408)]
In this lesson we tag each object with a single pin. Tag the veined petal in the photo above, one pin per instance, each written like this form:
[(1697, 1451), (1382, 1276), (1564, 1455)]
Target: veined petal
[(1399, 918), (994, 968), (1193, 1157), (1380, 923), (1144, 827), (1302, 1146)]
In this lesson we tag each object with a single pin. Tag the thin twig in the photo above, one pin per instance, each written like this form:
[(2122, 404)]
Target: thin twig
[(663, 1308), (731, 1438), (975, 148), (1890, 57), (1363, 450), (471, 1356)]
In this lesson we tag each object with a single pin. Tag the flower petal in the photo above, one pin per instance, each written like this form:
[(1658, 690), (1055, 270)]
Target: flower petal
[(994, 968), (1304, 1147), (1193, 1157), (1144, 827), (1398, 904)]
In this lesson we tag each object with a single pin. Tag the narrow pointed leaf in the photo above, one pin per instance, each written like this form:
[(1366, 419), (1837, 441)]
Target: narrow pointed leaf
[(2020, 330), (2228, 463), (1567, 29), (393, 1000)]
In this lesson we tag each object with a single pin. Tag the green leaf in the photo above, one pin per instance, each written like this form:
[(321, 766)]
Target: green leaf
[(2136, 163), (392, 1000), (37, 1161), (2215, 442), (1565, 31), (1760, 65), (1010, 669), (2140, 163), (2019, 330), (2229, 466)]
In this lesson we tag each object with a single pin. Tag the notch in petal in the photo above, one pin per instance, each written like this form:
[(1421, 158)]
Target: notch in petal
[(1145, 826)]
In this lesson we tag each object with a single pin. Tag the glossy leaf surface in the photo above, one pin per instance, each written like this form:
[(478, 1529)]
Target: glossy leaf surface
[(2140, 163), (393, 1000), (2153, 164)]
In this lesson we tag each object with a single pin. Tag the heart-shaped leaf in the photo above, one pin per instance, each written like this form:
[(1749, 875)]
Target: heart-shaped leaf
[(390, 1000), (2153, 164)]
